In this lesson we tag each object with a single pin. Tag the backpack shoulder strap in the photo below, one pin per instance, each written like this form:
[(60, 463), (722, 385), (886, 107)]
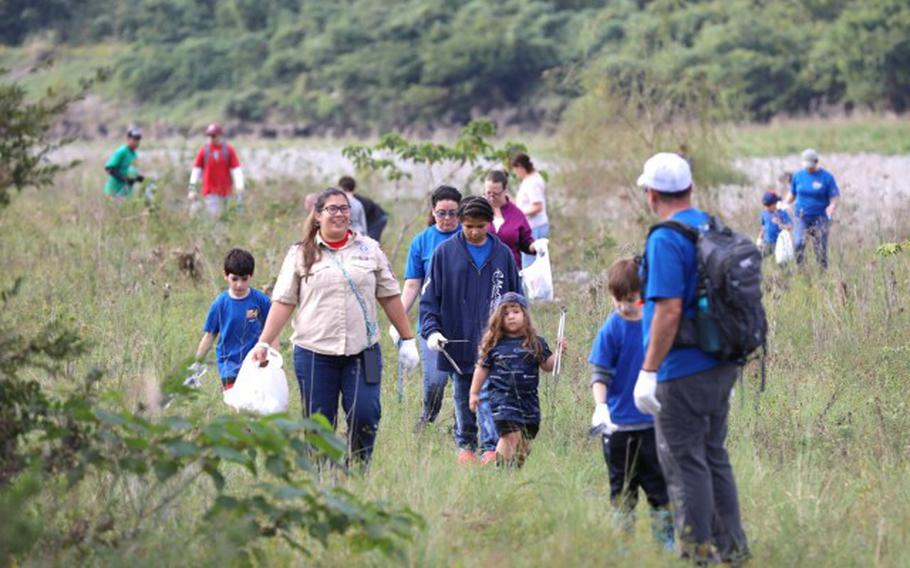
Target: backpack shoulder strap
[(683, 229), (206, 154)]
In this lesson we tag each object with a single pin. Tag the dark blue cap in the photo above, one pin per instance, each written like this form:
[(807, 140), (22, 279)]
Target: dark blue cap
[(770, 197), (512, 298)]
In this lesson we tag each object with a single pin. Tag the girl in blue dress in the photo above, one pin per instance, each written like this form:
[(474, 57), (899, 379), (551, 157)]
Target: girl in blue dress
[(511, 356)]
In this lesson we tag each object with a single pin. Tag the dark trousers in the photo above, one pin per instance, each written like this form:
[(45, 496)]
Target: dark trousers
[(815, 229), (322, 378), (691, 430), (375, 229), (632, 463)]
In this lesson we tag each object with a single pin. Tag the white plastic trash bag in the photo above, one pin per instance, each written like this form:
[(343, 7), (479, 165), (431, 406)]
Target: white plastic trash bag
[(261, 390), (783, 250), (537, 279)]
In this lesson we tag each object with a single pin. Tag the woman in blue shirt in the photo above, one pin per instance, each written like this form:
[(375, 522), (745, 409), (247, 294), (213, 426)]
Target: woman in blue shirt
[(815, 194), (443, 224)]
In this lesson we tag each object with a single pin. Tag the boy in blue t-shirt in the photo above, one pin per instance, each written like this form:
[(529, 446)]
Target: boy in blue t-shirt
[(629, 444), (236, 316), (773, 221)]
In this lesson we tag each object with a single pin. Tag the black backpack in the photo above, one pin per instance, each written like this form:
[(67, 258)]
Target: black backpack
[(730, 321)]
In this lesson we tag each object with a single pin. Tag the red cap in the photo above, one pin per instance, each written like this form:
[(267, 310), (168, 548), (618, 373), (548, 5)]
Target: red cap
[(214, 129)]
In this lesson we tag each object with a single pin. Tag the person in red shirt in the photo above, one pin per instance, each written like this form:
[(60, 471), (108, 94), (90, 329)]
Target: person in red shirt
[(217, 164)]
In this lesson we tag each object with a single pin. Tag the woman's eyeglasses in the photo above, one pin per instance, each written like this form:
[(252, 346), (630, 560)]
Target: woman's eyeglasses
[(443, 213), (337, 209)]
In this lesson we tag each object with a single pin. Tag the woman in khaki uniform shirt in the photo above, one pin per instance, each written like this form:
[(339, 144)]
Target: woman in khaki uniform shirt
[(334, 278)]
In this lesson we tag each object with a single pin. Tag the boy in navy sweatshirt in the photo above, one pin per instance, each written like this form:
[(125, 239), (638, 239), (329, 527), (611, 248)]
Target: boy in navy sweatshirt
[(629, 445), (468, 274)]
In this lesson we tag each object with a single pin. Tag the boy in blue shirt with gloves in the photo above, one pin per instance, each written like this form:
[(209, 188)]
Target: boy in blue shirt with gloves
[(236, 317), (629, 445), (773, 221)]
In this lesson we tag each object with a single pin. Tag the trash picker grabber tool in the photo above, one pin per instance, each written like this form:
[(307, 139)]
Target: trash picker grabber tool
[(452, 361), (400, 385), (560, 335)]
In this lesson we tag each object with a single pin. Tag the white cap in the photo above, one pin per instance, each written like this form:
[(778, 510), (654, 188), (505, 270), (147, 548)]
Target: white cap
[(667, 173), (810, 157)]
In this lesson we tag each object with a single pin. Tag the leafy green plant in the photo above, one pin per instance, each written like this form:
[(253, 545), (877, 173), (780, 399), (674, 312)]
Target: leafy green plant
[(471, 148), (892, 249)]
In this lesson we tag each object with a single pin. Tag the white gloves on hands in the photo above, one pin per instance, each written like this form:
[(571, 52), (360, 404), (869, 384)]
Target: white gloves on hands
[(436, 341), (393, 333), (407, 354), (645, 393), (541, 247), (601, 419), (197, 369)]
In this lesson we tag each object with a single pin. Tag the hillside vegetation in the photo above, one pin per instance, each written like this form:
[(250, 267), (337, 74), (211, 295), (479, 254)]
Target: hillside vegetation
[(362, 65)]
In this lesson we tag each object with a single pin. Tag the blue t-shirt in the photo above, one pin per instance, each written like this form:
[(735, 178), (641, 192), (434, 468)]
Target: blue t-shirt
[(772, 229), (813, 192), (618, 347), (421, 251), (672, 269), (238, 324), (480, 253), (513, 380)]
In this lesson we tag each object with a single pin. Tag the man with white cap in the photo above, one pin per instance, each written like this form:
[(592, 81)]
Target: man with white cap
[(815, 194), (218, 167), (685, 388)]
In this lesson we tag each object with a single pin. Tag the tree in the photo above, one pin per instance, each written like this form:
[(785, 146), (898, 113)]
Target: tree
[(25, 135)]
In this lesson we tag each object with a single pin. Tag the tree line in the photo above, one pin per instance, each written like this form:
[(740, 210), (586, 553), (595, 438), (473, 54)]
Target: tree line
[(370, 64)]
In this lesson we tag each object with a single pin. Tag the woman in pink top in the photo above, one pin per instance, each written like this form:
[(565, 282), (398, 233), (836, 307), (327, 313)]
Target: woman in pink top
[(509, 223)]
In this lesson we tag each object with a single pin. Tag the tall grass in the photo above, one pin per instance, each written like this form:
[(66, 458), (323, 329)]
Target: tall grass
[(821, 457)]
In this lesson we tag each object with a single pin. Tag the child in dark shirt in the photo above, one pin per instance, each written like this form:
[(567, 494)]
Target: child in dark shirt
[(511, 356)]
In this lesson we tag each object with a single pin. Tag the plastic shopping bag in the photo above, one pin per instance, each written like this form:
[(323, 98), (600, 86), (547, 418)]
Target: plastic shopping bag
[(537, 279), (783, 250), (260, 390)]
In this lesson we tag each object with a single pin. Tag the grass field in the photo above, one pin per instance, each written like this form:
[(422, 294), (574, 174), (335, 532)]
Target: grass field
[(822, 457)]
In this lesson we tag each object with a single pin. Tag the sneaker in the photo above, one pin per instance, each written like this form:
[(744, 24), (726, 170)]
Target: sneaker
[(466, 457), (488, 456)]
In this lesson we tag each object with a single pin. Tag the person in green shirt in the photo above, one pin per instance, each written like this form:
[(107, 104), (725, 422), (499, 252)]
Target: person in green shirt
[(121, 174)]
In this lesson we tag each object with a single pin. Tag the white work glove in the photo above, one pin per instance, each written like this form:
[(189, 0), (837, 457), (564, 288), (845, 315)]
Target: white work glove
[(436, 341), (602, 418), (407, 354), (191, 193), (393, 333), (197, 369), (541, 246), (645, 393), (237, 178)]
